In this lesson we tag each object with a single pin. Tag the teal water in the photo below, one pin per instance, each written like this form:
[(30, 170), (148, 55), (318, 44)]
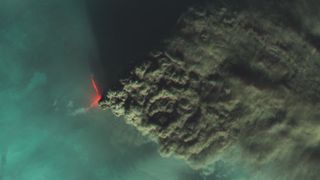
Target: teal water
[(45, 132)]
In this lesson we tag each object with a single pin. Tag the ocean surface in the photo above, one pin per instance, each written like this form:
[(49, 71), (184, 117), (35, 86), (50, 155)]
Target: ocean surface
[(49, 51)]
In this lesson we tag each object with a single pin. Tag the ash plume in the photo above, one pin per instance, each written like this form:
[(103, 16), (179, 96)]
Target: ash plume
[(232, 85)]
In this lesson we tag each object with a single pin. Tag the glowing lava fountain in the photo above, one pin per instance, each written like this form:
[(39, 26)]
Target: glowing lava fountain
[(97, 96)]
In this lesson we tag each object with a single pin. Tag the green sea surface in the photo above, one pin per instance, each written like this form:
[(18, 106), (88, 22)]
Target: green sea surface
[(47, 131)]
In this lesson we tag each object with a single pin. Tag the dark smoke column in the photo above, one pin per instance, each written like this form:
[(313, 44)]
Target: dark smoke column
[(223, 78)]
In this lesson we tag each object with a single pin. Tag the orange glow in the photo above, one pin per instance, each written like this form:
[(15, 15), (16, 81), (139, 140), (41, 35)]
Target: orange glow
[(97, 96)]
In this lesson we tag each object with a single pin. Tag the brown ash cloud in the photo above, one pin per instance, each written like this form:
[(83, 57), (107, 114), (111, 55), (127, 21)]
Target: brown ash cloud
[(232, 85)]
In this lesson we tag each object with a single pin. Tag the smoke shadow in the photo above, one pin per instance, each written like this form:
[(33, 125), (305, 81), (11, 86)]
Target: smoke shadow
[(126, 31)]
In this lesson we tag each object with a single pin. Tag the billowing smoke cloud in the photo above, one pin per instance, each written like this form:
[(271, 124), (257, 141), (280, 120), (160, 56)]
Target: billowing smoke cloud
[(239, 86)]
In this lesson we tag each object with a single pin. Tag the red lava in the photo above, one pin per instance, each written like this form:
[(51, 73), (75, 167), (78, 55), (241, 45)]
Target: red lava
[(97, 96)]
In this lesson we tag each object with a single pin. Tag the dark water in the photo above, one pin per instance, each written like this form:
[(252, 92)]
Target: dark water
[(126, 31)]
